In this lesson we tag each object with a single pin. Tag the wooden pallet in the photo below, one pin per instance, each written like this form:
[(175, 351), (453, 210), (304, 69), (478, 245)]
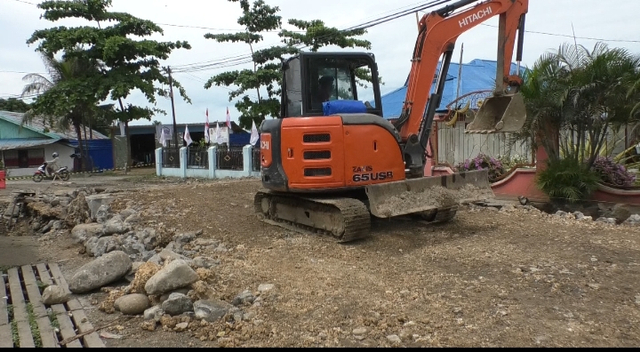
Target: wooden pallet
[(22, 312)]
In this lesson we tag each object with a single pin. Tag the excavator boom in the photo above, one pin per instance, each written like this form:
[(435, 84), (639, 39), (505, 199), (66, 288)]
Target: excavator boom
[(438, 32)]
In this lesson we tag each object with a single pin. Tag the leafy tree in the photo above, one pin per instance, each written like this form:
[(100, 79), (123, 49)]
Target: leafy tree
[(125, 63), (315, 34), (575, 97), (59, 103), (14, 105), (257, 18), (579, 95)]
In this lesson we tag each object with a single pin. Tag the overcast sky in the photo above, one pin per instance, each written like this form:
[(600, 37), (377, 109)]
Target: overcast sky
[(548, 25)]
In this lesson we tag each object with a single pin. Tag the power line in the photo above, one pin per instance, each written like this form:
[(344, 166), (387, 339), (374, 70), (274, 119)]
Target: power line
[(571, 36), (244, 59), (22, 72), (247, 58)]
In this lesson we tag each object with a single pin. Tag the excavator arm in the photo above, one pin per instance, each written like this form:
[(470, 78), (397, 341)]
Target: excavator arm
[(438, 32)]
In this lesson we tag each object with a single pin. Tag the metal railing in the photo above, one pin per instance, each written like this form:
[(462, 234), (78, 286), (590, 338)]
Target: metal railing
[(229, 158), (197, 158), (255, 159), (171, 157)]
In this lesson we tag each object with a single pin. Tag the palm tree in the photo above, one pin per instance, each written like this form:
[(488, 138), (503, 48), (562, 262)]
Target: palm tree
[(580, 95), (69, 109)]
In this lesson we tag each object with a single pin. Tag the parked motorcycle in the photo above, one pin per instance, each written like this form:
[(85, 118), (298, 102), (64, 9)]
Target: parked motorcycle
[(41, 173)]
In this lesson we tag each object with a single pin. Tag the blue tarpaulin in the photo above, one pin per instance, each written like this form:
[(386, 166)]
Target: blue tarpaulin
[(100, 153), (476, 75)]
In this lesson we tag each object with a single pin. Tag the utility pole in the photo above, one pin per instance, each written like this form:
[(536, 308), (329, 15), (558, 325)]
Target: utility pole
[(173, 109)]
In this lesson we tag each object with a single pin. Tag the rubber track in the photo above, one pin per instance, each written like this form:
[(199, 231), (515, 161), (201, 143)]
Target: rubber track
[(356, 219)]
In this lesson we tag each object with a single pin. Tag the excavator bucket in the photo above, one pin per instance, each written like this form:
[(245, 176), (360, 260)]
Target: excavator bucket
[(428, 193), (499, 114)]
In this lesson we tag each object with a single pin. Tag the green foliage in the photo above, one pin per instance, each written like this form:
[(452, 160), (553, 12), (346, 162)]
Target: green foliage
[(317, 34), (120, 63), (14, 105), (14, 325), (575, 96), (33, 325), (258, 17), (509, 162), (106, 61), (567, 180)]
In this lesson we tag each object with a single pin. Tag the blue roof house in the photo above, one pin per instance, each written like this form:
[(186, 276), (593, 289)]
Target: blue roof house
[(475, 76)]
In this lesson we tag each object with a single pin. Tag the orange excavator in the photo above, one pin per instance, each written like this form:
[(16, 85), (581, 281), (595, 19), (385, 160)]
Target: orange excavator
[(333, 161)]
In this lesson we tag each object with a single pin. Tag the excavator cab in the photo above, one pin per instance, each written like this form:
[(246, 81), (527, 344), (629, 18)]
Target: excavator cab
[(314, 84)]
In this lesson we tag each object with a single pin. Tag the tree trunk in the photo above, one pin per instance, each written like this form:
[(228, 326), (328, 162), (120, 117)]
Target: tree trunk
[(76, 125), (86, 148), (126, 130)]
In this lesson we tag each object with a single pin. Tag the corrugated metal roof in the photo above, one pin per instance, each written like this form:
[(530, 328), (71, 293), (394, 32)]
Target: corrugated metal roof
[(38, 125), (19, 143)]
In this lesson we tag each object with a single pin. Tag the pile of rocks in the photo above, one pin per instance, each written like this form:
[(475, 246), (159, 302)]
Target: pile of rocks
[(149, 271), (161, 292), (631, 220)]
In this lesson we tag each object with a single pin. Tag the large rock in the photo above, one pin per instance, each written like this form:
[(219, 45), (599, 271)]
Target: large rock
[(82, 232), (103, 214), (132, 304), (95, 201), (177, 303), (633, 220), (100, 272), (98, 246), (55, 294), (131, 246), (77, 211), (211, 310), (115, 225), (169, 255), (175, 275), (149, 238), (245, 297), (153, 313)]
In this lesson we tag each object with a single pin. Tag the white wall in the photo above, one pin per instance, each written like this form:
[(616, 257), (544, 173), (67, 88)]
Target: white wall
[(454, 146), (64, 159)]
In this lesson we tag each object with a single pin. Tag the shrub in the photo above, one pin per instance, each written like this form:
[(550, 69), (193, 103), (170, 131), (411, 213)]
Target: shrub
[(567, 179), (482, 161), (613, 173), (510, 161)]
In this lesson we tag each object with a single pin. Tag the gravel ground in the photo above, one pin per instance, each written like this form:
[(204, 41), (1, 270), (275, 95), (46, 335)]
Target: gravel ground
[(488, 278)]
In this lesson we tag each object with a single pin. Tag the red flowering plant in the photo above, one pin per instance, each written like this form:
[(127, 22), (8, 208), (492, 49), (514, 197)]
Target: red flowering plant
[(613, 173)]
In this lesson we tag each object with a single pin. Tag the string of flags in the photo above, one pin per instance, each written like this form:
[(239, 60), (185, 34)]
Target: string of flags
[(219, 134)]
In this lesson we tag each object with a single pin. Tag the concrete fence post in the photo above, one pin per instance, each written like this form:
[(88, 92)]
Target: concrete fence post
[(183, 162), (212, 161), (159, 162), (247, 160)]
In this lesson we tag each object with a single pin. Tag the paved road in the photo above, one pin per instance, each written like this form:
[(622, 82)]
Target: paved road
[(89, 180)]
